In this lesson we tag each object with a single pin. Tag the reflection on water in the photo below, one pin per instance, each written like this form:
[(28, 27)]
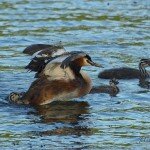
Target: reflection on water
[(65, 112), (115, 34), (71, 112)]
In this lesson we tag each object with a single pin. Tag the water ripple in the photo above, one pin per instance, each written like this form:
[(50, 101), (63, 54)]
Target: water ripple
[(115, 34)]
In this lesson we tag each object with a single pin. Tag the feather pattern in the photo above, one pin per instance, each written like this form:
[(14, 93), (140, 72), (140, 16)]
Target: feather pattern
[(30, 50), (41, 58)]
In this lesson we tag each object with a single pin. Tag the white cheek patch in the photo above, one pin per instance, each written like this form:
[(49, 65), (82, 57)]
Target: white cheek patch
[(86, 62)]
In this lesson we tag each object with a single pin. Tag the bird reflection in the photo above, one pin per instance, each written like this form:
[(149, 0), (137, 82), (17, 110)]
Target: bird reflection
[(72, 112), (77, 130), (63, 111)]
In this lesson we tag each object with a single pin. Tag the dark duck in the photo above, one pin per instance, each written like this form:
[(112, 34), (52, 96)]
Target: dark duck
[(127, 73), (111, 89)]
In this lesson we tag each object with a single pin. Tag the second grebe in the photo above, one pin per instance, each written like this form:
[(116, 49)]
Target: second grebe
[(127, 73), (111, 89), (61, 78)]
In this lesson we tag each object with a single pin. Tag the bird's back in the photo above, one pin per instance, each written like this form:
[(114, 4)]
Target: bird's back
[(120, 73)]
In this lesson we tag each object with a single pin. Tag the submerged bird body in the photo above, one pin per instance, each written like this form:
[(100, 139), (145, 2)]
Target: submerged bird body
[(111, 89), (60, 78), (127, 73), (120, 73)]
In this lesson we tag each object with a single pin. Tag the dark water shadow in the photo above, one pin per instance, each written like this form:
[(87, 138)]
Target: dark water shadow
[(69, 113), (65, 112)]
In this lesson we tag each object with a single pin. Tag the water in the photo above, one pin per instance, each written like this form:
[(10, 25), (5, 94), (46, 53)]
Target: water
[(114, 33)]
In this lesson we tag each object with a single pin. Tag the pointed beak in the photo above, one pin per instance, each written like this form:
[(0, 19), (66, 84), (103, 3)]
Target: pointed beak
[(96, 64)]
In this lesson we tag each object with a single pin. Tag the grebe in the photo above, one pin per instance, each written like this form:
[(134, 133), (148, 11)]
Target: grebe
[(61, 78), (111, 89), (127, 73)]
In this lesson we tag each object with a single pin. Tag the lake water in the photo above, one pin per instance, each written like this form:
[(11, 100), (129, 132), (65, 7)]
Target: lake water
[(115, 34)]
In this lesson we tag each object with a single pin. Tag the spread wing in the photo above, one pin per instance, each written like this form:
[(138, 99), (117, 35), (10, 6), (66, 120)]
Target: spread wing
[(37, 47), (40, 57), (58, 65)]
